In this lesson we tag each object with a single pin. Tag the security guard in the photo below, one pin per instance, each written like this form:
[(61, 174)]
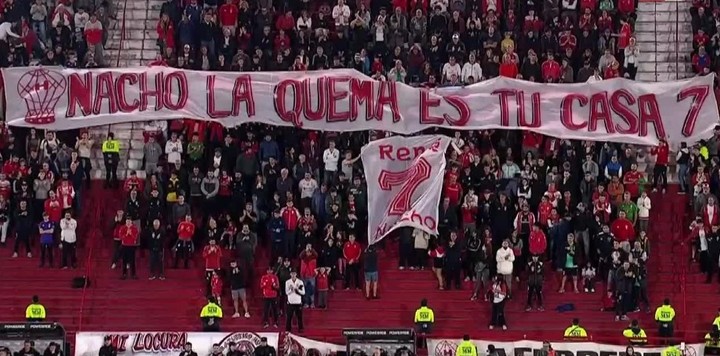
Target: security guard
[(575, 331), (671, 351), (466, 347), (712, 339), (635, 334), (664, 316), (211, 314), (424, 317), (111, 156), (35, 311)]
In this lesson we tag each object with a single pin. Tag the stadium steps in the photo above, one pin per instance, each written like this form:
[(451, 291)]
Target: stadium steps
[(664, 38)]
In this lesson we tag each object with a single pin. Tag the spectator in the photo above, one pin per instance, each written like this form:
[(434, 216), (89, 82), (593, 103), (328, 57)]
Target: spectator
[(505, 258), (68, 241), (352, 252), (156, 244), (295, 290), (370, 261)]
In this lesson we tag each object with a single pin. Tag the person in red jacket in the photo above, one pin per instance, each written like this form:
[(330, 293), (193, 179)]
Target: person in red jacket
[(212, 253), (550, 69), (453, 191), (631, 180), (129, 238), (184, 246), (351, 253), (216, 286), (623, 230), (269, 286), (228, 15), (508, 67), (53, 207), (133, 183), (537, 241), (662, 152)]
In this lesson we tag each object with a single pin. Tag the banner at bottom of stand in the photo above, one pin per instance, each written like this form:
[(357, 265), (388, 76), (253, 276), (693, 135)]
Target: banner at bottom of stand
[(447, 347)]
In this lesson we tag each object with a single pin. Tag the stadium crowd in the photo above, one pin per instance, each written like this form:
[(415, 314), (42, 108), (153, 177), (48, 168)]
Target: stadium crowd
[(512, 201)]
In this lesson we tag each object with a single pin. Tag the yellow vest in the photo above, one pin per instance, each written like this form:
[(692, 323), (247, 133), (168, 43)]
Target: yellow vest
[(710, 342), (717, 321), (664, 314), (466, 348), (640, 337), (35, 311), (424, 315), (671, 351), (211, 310), (111, 146), (575, 331)]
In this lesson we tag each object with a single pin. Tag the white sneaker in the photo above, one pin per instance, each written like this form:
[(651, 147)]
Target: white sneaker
[(29, 254), (14, 255), (236, 315), (113, 266), (247, 315)]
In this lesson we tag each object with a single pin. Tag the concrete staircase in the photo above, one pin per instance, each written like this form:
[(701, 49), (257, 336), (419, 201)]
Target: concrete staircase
[(131, 140), (664, 36), (138, 44)]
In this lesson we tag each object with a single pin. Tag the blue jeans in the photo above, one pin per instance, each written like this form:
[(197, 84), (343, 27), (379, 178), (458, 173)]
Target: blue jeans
[(682, 176), (40, 28), (309, 297)]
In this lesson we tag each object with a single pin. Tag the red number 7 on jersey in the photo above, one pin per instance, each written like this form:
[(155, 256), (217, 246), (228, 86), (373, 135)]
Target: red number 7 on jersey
[(409, 179)]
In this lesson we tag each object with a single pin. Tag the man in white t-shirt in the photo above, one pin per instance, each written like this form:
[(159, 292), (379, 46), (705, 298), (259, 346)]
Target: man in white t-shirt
[(307, 187), (331, 156), (341, 15), (450, 69)]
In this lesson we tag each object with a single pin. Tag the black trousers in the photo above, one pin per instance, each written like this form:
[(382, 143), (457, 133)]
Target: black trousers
[(157, 265), (22, 239), (46, 252), (352, 275), (660, 171), (128, 253), (111, 166), (712, 267), (534, 291), (117, 251), (184, 251), (452, 277), (69, 254), (666, 330), (270, 308), (498, 314), (294, 310)]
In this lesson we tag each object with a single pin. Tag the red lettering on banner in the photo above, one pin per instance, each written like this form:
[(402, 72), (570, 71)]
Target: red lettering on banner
[(415, 217), (621, 109), (387, 97), (504, 96), (698, 95), (388, 152), (334, 96), (79, 93), (601, 108), (157, 93), (119, 341), (241, 93), (107, 93), (123, 105), (462, 108), (290, 114), (408, 180), (310, 113), (361, 92), (159, 342)]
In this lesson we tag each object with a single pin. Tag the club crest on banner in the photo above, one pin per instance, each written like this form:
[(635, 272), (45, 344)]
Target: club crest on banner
[(245, 341), (41, 89)]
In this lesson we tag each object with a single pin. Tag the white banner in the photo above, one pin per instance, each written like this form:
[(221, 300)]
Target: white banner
[(404, 182), (345, 100), (447, 347), (298, 345), (168, 343)]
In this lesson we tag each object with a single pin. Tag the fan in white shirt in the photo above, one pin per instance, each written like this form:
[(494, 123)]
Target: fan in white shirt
[(68, 226), (174, 149), (341, 14), (331, 156), (307, 186), (450, 69), (471, 69)]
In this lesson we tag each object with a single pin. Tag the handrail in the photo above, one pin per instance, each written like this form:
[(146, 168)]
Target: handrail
[(145, 31), (94, 234), (122, 33)]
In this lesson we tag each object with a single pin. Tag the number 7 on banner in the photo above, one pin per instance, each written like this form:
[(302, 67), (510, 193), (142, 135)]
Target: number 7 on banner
[(409, 179)]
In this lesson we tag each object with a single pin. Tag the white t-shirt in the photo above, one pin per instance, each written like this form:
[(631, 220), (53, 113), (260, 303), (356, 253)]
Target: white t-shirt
[(307, 188), (67, 230), (450, 69), (174, 151), (331, 157), (294, 290)]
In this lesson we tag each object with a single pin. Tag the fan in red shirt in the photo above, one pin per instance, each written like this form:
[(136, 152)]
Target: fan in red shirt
[(623, 230), (631, 180), (567, 40), (544, 209), (285, 22), (537, 241), (228, 14), (352, 251), (133, 182), (212, 253), (129, 238), (612, 71), (453, 191), (662, 152), (290, 216), (184, 246), (532, 23), (551, 69), (508, 67), (166, 31), (216, 286), (53, 207), (468, 211), (269, 286)]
